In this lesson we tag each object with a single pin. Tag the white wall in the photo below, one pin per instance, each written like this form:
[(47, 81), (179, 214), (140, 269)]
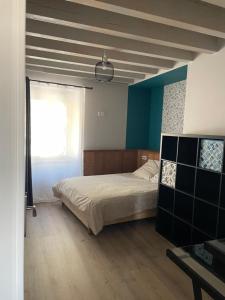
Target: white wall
[(205, 95), (12, 83), (109, 131), (104, 132)]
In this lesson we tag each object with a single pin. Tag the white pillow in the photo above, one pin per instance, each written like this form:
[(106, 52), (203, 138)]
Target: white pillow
[(148, 170), (155, 178)]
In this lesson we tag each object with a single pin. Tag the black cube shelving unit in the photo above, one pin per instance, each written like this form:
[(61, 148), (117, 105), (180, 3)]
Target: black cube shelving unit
[(191, 201)]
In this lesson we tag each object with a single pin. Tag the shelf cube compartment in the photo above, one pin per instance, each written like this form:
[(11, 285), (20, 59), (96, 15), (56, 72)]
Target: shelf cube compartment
[(185, 179), (181, 233), (191, 202), (168, 176), (187, 150), (211, 154), (169, 148), (222, 196), (205, 217), (164, 223), (166, 198), (208, 186), (221, 225), (183, 206)]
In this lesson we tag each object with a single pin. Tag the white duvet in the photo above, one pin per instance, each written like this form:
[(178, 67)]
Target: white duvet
[(105, 198)]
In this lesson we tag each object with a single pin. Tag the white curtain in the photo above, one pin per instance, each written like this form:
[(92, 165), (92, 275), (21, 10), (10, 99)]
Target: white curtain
[(57, 117)]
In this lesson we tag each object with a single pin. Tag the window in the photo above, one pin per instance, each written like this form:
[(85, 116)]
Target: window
[(56, 136), (56, 125), (49, 127)]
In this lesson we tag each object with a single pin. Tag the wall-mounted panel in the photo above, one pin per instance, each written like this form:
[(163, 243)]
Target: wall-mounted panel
[(173, 107), (99, 162)]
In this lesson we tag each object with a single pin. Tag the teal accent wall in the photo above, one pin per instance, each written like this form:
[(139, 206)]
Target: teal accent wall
[(155, 117), (138, 118), (145, 104), (172, 76)]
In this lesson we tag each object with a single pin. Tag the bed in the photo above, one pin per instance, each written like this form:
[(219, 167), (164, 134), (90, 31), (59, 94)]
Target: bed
[(102, 200)]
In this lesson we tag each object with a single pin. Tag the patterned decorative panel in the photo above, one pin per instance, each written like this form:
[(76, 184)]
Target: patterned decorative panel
[(169, 173), (211, 155), (173, 107)]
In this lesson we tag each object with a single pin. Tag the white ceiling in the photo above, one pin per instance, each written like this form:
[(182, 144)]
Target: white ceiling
[(140, 37)]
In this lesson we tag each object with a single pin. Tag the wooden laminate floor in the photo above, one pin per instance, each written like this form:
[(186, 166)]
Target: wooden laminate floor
[(124, 262)]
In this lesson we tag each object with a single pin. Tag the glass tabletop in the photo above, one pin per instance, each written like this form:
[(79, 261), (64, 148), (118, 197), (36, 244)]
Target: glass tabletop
[(205, 265), (210, 255)]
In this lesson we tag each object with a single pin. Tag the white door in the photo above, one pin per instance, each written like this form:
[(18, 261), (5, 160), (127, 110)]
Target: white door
[(12, 103)]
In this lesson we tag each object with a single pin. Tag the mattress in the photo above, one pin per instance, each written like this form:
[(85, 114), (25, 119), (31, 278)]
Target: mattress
[(104, 198)]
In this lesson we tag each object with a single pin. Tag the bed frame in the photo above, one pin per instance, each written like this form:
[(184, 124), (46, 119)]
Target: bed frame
[(141, 156), (148, 213)]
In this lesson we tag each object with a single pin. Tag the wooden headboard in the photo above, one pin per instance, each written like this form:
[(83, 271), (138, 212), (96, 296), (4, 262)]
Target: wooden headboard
[(144, 155), (99, 162)]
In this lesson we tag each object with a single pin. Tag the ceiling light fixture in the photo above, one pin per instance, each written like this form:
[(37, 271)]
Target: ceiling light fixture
[(104, 70)]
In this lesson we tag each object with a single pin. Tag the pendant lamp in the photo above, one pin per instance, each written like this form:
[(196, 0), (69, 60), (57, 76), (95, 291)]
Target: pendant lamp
[(104, 70)]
